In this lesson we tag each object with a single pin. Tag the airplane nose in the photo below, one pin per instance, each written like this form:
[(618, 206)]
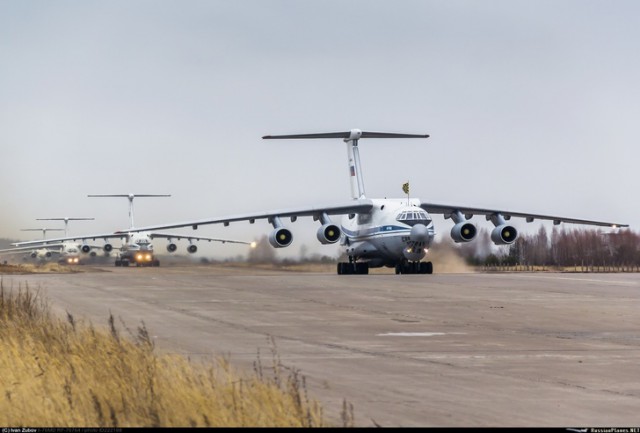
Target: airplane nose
[(419, 233)]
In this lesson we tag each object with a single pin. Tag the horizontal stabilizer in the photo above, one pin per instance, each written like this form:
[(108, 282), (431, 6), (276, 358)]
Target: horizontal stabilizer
[(353, 134), (129, 195)]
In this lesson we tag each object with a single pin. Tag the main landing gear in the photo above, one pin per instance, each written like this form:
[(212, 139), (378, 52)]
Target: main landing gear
[(414, 268), (352, 268)]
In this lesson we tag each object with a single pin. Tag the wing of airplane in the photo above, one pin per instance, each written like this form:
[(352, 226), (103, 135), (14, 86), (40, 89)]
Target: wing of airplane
[(468, 212), (47, 242), (178, 236), (33, 248), (317, 212)]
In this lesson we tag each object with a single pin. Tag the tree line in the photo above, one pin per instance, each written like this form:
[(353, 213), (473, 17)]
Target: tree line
[(561, 247)]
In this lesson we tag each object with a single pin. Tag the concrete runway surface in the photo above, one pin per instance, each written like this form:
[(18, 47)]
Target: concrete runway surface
[(525, 349)]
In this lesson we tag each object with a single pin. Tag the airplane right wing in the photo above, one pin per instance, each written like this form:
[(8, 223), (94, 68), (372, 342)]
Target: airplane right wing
[(32, 248), (48, 242), (317, 212), (178, 236)]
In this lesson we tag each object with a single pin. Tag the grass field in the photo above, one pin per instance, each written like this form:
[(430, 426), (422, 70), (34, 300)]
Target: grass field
[(58, 373)]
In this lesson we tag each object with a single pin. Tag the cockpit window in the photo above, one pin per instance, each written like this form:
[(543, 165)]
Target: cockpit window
[(413, 217)]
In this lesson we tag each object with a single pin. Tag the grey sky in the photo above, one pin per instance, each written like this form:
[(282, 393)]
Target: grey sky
[(531, 106)]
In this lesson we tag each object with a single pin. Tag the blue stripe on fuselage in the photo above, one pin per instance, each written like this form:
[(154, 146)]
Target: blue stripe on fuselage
[(374, 231)]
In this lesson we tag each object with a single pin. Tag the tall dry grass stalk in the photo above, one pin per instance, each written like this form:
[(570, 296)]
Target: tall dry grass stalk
[(64, 373)]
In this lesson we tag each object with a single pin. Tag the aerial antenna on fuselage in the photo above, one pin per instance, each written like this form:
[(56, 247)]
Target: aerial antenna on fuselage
[(130, 197), (351, 138), (66, 222)]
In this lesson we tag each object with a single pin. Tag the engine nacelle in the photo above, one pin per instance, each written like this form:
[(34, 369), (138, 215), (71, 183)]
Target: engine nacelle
[(171, 247), (463, 232), (328, 234), (192, 248), (34, 255), (504, 235), (280, 237), (85, 248), (47, 254), (107, 248)]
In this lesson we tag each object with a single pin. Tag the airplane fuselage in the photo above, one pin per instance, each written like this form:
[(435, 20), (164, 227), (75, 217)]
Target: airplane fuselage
[(137, 249), (394, 231)]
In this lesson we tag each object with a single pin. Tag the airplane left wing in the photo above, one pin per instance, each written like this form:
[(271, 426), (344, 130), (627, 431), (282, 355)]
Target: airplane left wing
[(448, 210)]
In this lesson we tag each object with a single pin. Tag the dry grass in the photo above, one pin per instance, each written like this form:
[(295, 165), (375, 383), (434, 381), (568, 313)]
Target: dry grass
[(30, 268), (63, 373)]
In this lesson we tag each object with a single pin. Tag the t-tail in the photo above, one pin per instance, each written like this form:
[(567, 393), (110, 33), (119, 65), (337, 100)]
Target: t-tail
[(66, 222), (351, 138), (130, 197)]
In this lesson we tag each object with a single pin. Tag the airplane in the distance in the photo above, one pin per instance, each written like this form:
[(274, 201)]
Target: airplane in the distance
[(394, 233), (137, 247), (38, 254)]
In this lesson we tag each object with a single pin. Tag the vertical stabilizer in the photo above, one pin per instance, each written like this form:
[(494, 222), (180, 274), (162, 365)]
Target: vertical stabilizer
[(355, 170)]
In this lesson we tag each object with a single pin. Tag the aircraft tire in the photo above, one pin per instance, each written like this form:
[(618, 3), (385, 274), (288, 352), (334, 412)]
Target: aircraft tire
[(345, 268), (362, 268), (429, 268), (118, 263), (125, 263)]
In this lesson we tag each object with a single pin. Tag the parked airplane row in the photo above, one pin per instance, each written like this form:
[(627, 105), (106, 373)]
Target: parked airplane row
[(394, 233)]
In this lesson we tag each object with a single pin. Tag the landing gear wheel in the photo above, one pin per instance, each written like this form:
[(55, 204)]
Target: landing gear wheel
[(360, 268), (426, 268)]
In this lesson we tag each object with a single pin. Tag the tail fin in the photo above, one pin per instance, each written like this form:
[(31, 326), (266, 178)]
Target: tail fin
[(355, 171)]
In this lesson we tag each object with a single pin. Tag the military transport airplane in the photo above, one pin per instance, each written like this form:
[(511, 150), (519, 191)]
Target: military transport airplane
[(41, 254), (137, 246), (382, 232)]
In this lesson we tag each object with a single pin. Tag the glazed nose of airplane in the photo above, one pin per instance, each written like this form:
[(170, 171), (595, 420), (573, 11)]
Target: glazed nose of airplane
[(419, 233)]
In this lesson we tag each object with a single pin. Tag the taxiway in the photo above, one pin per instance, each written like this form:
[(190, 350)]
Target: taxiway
[(499, 350)]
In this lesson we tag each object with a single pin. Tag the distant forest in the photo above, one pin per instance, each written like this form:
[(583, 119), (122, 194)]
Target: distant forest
[(561, 247)]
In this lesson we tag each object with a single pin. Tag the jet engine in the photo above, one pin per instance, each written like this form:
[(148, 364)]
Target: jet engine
[(463, 232), (280, 237), (85, 248), (192, 248), (47, 254), (328, 234), (107, 248), (504, 235), (171, 247), (34, 255)]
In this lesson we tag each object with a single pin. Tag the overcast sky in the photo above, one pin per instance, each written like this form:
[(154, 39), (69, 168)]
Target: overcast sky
[(532, 106)]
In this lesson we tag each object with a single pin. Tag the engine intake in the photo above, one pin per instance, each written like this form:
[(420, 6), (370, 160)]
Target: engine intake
[(171, 247), (504, 235), (85, 248), (328, 234), (463, 232), (192, 248), (107, 248), (280, 238)]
